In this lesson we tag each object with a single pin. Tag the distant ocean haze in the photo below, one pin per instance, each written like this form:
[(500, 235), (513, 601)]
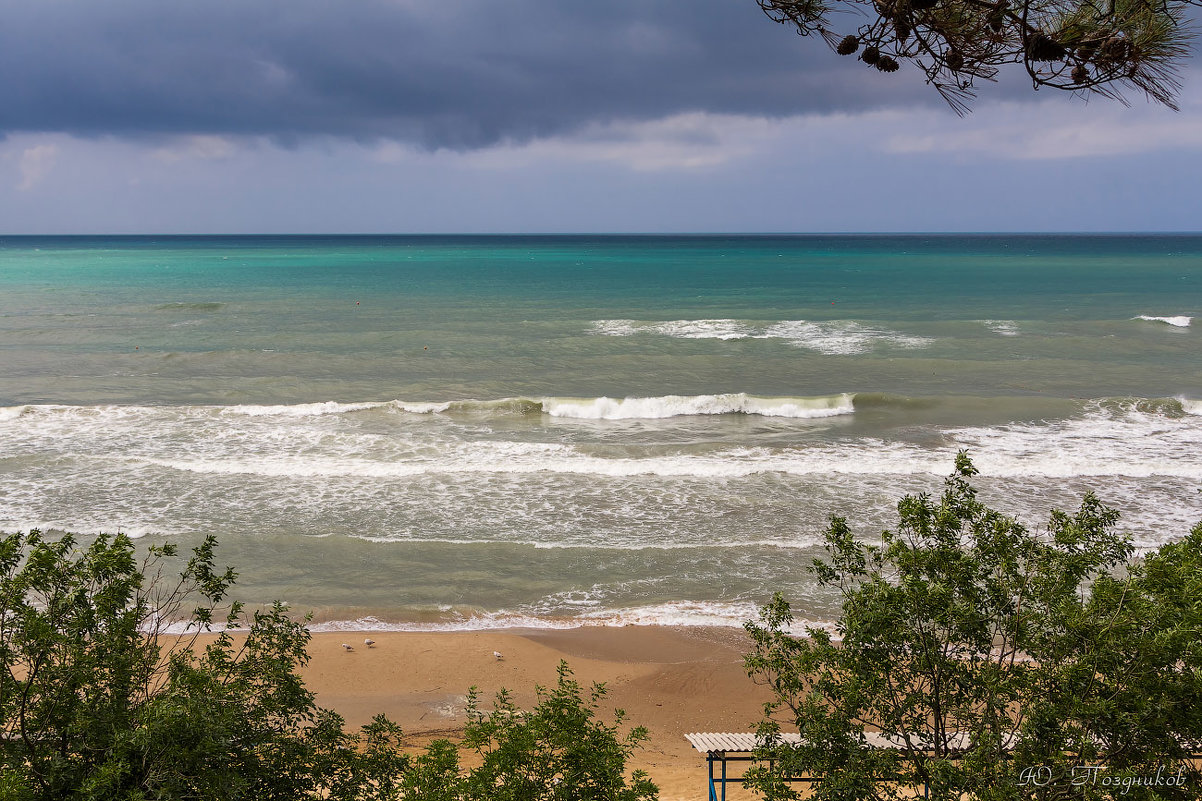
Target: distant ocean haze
[(424, 432)]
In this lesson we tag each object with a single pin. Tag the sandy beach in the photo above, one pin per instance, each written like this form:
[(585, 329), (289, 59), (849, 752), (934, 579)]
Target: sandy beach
[(670, 680)]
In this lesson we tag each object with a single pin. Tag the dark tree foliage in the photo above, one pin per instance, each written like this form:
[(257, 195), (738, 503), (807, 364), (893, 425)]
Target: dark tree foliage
[(999, 664), (1093, 46), (98, 701), (1121, 677)]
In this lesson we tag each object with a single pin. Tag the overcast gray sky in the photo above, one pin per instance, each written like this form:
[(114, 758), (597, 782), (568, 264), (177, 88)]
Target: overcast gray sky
[(412, 116)]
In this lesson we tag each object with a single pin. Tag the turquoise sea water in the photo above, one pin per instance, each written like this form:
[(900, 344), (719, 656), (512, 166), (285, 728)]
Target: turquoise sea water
[(477, 431)]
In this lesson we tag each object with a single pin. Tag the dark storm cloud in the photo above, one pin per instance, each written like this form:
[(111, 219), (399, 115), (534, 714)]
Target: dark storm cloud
[(442, 73)]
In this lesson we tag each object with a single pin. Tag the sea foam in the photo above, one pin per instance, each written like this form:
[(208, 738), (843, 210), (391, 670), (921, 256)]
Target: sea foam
[(679, 405), (830, 337), (840, 337), (680, 329), (300, 409), (710, 614), (1179, 321), (704, 329), (1006, 328), (1157, 436)]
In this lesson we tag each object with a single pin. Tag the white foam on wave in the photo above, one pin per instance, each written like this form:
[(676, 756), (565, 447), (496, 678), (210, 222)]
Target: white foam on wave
[(645, 408), (801, 543), (708, 614), (1131, 438), (1179, 321), (840, 337), (704, 329), (615, 328), (422, 408), (10, 413), (868, 457), (680, 329), (84, 526), (482, 621), (180, 627), (676, 613), (696, 614), (681, 405), (831, 337), (299, 409), (1006, 328)]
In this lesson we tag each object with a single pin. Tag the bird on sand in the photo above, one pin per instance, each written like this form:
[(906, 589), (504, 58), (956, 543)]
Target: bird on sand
[(369, 642), (347, 647), (497, 654)]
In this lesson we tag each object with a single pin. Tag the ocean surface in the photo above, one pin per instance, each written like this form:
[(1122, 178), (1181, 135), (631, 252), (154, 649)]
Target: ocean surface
[(466, 432)]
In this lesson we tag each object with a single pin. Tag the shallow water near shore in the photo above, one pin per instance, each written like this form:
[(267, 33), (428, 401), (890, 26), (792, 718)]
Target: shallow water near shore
[(442, 432)]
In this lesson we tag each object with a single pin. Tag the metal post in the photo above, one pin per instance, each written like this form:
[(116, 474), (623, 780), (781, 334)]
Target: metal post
[(724, 777), (709, 761)]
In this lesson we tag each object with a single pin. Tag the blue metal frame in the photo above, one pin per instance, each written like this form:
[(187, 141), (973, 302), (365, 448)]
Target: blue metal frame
[(725, 779), (709, 761)]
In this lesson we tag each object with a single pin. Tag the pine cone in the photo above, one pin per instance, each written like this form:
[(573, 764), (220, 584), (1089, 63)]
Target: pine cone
[(849, 45), (1080, 74), (1114, 49), (870, 55), (1042, 47), (954, 60), (902, 29), (923, 5), (997, 17), (887, 64)]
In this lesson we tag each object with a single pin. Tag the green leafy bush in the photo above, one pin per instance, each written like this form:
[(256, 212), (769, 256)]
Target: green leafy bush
[(98, 700), (559, 751), (1001, 664)]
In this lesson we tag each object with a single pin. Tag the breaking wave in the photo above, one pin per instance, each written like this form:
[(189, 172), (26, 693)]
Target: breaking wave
[(678, 405), (1179, 321), (829, 337), (1005, 328), (674, 613), (651, 408)]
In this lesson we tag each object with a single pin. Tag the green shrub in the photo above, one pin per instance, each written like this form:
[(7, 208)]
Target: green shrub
[(1003, 663), (100, 702)]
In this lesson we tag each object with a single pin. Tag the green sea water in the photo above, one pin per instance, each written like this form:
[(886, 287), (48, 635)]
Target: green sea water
[(480, 431)]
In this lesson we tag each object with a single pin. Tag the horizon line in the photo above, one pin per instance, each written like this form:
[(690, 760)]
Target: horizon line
[(550, 234)]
